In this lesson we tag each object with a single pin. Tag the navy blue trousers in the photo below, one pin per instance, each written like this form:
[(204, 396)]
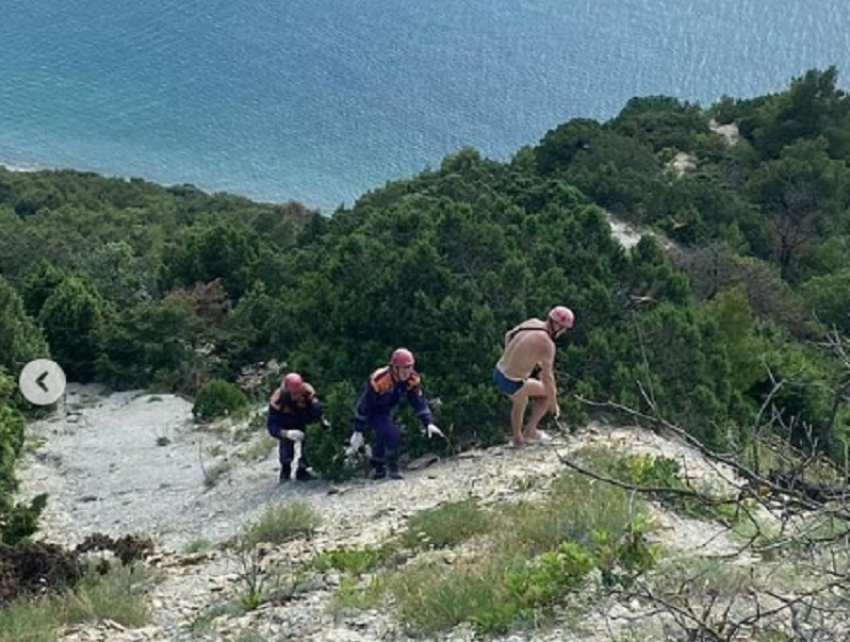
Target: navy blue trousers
[(386, 445)]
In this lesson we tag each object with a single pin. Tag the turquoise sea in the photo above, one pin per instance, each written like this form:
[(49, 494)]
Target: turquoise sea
[(321, 101)]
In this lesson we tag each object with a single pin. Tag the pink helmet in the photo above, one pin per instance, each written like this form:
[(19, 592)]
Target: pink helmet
[(402, 357), (293, 382), (562, 316)]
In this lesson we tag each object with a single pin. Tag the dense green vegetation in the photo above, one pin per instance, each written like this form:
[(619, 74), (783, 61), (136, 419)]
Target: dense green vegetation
[(133, 284)]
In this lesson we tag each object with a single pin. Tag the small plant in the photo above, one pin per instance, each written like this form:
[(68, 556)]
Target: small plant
[(693, 577), (114, 596), (352, 595), (263, 582), (356, 561), (279, 524), (218, 398), (324, 446), (547, 578), (252, 598), (433, 598), (216, 450), (623, 559), (31, 621), (445, 525), (204, 622), (254, 577), (500, 617), (198, 545)]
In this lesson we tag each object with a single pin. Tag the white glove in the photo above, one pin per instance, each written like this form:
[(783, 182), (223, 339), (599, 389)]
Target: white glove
[(325, 423), (356, 441), (294, 435), (432, 430), (296, 460)]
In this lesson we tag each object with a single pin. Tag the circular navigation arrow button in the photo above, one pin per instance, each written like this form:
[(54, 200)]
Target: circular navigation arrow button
[(42, 382)]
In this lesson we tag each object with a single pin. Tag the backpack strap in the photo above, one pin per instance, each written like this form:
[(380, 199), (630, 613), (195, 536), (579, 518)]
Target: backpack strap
[(526, 329)]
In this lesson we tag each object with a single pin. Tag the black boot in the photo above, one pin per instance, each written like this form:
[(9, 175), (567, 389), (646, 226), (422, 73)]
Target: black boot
[(380, 473), (302, 474), (285, 472), (394, 473)]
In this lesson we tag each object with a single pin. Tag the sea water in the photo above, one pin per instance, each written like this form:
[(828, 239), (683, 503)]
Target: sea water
[(321, 101)]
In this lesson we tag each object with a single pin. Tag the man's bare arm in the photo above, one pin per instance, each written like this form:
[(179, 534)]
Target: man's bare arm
[(547, 376)]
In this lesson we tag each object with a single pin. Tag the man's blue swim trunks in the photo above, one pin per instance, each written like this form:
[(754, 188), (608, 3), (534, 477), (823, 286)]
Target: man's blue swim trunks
[(506, 384)]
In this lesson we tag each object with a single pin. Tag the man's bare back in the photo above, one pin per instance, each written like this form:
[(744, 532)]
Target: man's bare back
[(530, 346)]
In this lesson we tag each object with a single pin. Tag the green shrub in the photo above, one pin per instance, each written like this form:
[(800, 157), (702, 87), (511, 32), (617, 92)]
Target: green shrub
[(356, 561), (324, 448), (198, 545), (445, 525), (533, 555), (544, 580), (621, 560), (435, 599), (218, 398), (279, 524), (577, 508), (17, 520), (114, 596), (354, 595), (31, 621)]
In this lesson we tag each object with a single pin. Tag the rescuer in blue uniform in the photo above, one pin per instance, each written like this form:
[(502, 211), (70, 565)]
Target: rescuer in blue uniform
[(292, 406), (381, 393)]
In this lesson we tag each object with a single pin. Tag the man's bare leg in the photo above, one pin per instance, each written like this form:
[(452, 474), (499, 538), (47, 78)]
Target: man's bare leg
[(541, 407), (520, 402), (532, 388)]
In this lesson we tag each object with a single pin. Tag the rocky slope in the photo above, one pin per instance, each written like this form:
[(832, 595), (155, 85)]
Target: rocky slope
[(134, 463)]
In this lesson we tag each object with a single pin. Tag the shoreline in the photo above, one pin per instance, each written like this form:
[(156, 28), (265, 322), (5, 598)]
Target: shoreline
[(29, 169), (22, 168)]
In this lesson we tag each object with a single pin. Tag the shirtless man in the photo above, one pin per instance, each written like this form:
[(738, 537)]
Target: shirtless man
[(528, 345)]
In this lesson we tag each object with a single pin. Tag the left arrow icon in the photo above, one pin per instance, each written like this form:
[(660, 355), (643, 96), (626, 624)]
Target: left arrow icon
[(42, 382)]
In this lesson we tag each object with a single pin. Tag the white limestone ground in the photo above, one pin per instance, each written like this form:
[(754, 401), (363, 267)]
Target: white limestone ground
[(133, 462)]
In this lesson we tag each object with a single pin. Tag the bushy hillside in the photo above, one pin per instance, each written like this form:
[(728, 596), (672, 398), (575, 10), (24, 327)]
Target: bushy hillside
[(137, 285)]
